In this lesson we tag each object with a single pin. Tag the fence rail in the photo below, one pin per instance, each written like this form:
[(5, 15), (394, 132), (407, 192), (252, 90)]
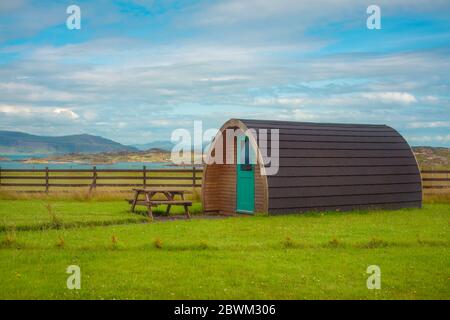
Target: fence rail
[(44, 179), (436, 180)]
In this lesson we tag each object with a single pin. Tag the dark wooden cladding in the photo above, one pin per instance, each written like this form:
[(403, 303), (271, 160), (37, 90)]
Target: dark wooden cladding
[(344, 200), (276, 181), (318, 145), (333, 138), (252, 123), (345, 162), (342, 145), (344, 171), (345, 133), (321, 127), (339, 153), (318, 191), (339, 167), (376, 206)]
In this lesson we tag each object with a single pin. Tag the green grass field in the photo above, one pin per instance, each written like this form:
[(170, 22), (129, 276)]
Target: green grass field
[(315, 255)]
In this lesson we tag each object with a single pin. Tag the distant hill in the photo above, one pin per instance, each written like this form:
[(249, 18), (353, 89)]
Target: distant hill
[(152, 155), (160, 144), (432, 157), (163, 145), (12, 142)]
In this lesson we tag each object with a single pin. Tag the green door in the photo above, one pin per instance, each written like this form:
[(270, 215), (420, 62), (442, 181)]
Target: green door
[(245, 176)]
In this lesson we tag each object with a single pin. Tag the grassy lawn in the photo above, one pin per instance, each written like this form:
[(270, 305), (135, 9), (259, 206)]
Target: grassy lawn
[(47, 214), (317, 255)]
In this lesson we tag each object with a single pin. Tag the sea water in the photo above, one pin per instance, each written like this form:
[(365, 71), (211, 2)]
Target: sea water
[(14, 162)]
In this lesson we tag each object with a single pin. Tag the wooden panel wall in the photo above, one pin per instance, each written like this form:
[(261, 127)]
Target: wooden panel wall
[(219, 187), (260, 191), (211, 188)]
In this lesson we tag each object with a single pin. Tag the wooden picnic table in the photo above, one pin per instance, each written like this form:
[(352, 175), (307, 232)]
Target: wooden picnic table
[(169, 193)]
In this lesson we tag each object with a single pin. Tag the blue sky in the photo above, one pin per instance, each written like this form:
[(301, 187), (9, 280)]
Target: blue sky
[(137, 70)]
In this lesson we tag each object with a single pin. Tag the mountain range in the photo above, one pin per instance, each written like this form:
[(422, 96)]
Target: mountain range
[(167, 145), (160, 144), (12, 142)]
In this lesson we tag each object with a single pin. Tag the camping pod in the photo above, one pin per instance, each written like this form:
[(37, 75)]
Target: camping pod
[(290, 167)]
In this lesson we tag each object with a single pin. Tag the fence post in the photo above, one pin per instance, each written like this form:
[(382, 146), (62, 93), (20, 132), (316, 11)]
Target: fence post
[(46, 180), (193, 179), (144, 176), (94, 179), (432, 182), (447, 186)]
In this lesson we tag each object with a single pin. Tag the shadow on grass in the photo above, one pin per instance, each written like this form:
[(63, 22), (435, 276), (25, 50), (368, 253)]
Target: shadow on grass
[(43, 226)]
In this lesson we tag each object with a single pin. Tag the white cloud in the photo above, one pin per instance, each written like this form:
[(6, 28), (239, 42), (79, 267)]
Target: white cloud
[(338, 100), (232, 12), (430, 99), (280, 101), (41, 112), (390, 97), (169, 123), (300, 115), (33, 93), (429, 124), (428, 139), (66, 112), (445, 138), (90, 115), (13, 110), (225, 78)]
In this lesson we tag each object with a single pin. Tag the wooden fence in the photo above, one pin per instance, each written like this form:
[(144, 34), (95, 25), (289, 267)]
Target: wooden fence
[(436, 180), (61, 179), (44, 179)]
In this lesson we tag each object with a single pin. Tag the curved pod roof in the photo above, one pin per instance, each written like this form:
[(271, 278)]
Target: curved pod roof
[(325, 166)]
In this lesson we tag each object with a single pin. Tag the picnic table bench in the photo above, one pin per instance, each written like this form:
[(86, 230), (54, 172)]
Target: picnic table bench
[(149, 200)]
